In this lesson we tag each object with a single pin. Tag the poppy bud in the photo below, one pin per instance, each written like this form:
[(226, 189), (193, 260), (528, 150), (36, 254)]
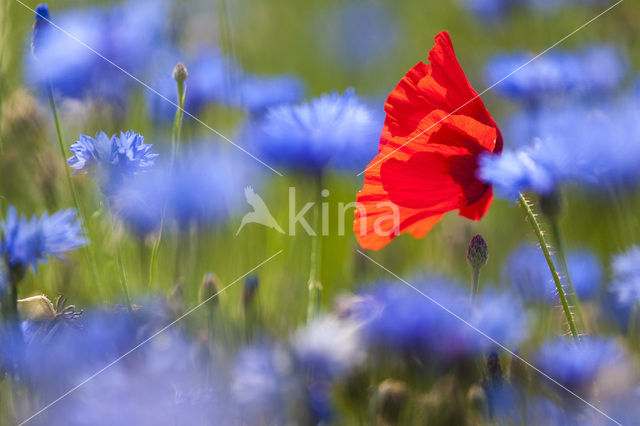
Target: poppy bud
[(180, 73), (478, 252), (391, 397), (209, 289)]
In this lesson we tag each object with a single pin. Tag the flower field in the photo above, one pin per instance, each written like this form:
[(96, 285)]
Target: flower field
[(359, 212)]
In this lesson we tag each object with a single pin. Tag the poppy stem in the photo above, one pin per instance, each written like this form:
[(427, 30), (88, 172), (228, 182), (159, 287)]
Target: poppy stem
[(554, 273), (88, 252), (180, 75), (315, 287), (575, 301)]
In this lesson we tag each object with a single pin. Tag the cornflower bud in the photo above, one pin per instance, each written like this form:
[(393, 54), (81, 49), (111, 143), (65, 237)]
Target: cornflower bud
[(180, 73), (209, 289)]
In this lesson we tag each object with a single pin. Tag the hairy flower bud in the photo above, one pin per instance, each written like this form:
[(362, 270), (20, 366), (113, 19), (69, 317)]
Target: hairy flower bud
[(478, 252)]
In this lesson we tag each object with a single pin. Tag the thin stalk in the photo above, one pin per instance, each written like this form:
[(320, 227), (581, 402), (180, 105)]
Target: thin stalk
[(175, 142), (554, 273), (575, 301), (475, 283), (123, 280), (315, 287), (88, 252), (632, 324)]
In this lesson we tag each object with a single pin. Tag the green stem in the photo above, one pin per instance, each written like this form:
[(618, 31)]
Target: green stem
[(153, 259), (88, 252), (554, 273), (123, 279), (557, 239), (633, 320), (315, 287), (175, 141), (475, 283)]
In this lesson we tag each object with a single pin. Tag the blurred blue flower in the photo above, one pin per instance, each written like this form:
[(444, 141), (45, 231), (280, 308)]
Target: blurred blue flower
[(501, 317), (526, 270), (577, 365), (29, 242), (332, 130), (257, 94), (548, 6), (262, 380), (128, 34), (328, 347), (401, 322), (586, 273), (591, 71), (111, 158), (69, 66), (626, 277), (163, 379), (358, 34), (488, 10), (204, 186), (588, 145), (514, 172)]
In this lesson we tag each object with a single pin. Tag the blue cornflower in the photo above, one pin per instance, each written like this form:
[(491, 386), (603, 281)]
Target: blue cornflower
[(203, 186), (29, 242), (581, 144), (527, 271), (586, 273), (513, 172), (111, 158), (358, 34), (257, 94), (329, 347), (159, 383), (488, 10), (593, 70), (626, 277), (60, 60), (332, 130), (401, 321), (577, 365), (550, 74), (128, 34), (262, 380), (498, 316)]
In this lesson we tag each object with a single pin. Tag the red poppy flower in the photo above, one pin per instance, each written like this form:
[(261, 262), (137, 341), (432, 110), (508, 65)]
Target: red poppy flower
[(435, 130)]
